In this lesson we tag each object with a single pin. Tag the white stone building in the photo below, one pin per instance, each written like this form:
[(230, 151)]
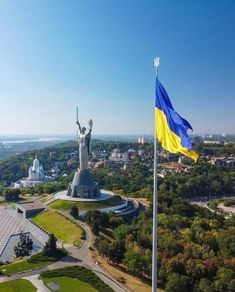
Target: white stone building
[(36, 176), (36, 172)]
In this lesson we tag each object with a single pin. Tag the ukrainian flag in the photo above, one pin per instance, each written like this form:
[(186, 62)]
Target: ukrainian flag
[(171, 128)]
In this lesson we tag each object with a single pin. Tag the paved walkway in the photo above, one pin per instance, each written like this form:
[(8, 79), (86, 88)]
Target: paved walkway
[(51, 200), (37, 283), (84, 257)]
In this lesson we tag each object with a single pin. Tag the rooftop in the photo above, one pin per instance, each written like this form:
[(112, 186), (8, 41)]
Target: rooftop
[(30, 205)]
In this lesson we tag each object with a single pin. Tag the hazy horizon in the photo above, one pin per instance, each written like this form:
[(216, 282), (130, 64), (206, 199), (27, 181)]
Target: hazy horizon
[(95, 135)]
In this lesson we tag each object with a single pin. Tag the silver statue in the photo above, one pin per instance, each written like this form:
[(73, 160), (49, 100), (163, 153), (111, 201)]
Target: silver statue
[(83, 184), (84, 144)]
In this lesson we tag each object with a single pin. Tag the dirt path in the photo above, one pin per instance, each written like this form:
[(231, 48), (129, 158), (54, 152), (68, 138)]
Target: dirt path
[(230, 209)]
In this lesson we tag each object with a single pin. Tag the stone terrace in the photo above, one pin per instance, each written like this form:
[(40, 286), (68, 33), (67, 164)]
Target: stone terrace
[(9, 226), (12, 224)]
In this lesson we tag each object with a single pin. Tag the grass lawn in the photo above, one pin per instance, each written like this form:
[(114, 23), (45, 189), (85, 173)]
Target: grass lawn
[(69, 284), (17, 286), (67, 205), (36, 261), (28, 197), (62, 228), (69, 277), (4, 203)]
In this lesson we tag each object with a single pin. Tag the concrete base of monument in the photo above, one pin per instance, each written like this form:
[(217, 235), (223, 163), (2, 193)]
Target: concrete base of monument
[(104, 195)]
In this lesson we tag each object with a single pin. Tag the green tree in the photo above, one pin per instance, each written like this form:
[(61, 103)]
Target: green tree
[(96, 227), (121, 232), (115, 221), (103, 247), (50, 246), (205, 285), (74, 212), (91, 216), (224, 277), (178, 283), (231, 286), (104, 219), (11, 195), (116, 252), (134, 262), (227, 242)]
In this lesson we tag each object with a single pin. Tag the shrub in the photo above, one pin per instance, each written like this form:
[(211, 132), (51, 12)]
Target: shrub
[(83, 234), (229, 203), (40, 257)]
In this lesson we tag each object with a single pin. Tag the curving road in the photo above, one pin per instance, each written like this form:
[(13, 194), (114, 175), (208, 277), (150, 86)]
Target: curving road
[(204, 203)]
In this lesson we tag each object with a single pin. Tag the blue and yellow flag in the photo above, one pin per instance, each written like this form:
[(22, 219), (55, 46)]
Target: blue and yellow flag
[(171, 128)]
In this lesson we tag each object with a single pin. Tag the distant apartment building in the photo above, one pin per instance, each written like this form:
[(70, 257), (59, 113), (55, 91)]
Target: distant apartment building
[(184, 159), (117, 155), (106, 163), (128, 165), (99, 164), (141, 140), (91, 164), (162, 154), (211, 142), (132, 154), (218, 161), (230, 163), (172, 157), (222, 161), (181, 169), (70, 162), (55, 170), (99, 154), (73, 155), (60, 164)]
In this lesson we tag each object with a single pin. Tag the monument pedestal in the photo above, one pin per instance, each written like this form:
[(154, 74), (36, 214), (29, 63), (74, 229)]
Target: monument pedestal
[(83, 185)]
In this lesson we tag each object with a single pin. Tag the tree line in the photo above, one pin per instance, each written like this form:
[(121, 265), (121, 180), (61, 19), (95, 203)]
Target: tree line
[(196, 248)]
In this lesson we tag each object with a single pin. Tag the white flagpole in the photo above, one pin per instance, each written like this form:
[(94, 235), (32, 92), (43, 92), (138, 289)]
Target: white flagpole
[(155, 199)]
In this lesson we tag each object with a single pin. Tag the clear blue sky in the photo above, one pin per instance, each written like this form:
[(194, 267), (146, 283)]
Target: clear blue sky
[(99, 54)]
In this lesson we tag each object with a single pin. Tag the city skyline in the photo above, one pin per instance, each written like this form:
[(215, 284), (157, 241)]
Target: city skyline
[(98, 56)]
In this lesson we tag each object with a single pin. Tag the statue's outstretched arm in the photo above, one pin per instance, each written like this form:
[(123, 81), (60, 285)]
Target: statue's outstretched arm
[(79, 126), (90, 123), (90, 129)]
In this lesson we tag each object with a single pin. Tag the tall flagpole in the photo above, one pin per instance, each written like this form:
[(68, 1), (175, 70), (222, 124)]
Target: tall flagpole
[(155, 199)]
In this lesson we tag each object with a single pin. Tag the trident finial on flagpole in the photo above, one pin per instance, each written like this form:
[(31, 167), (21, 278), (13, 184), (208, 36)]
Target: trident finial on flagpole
[(156, 62)]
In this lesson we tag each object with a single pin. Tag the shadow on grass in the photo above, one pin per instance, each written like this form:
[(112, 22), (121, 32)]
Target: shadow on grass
[(70, 259)]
